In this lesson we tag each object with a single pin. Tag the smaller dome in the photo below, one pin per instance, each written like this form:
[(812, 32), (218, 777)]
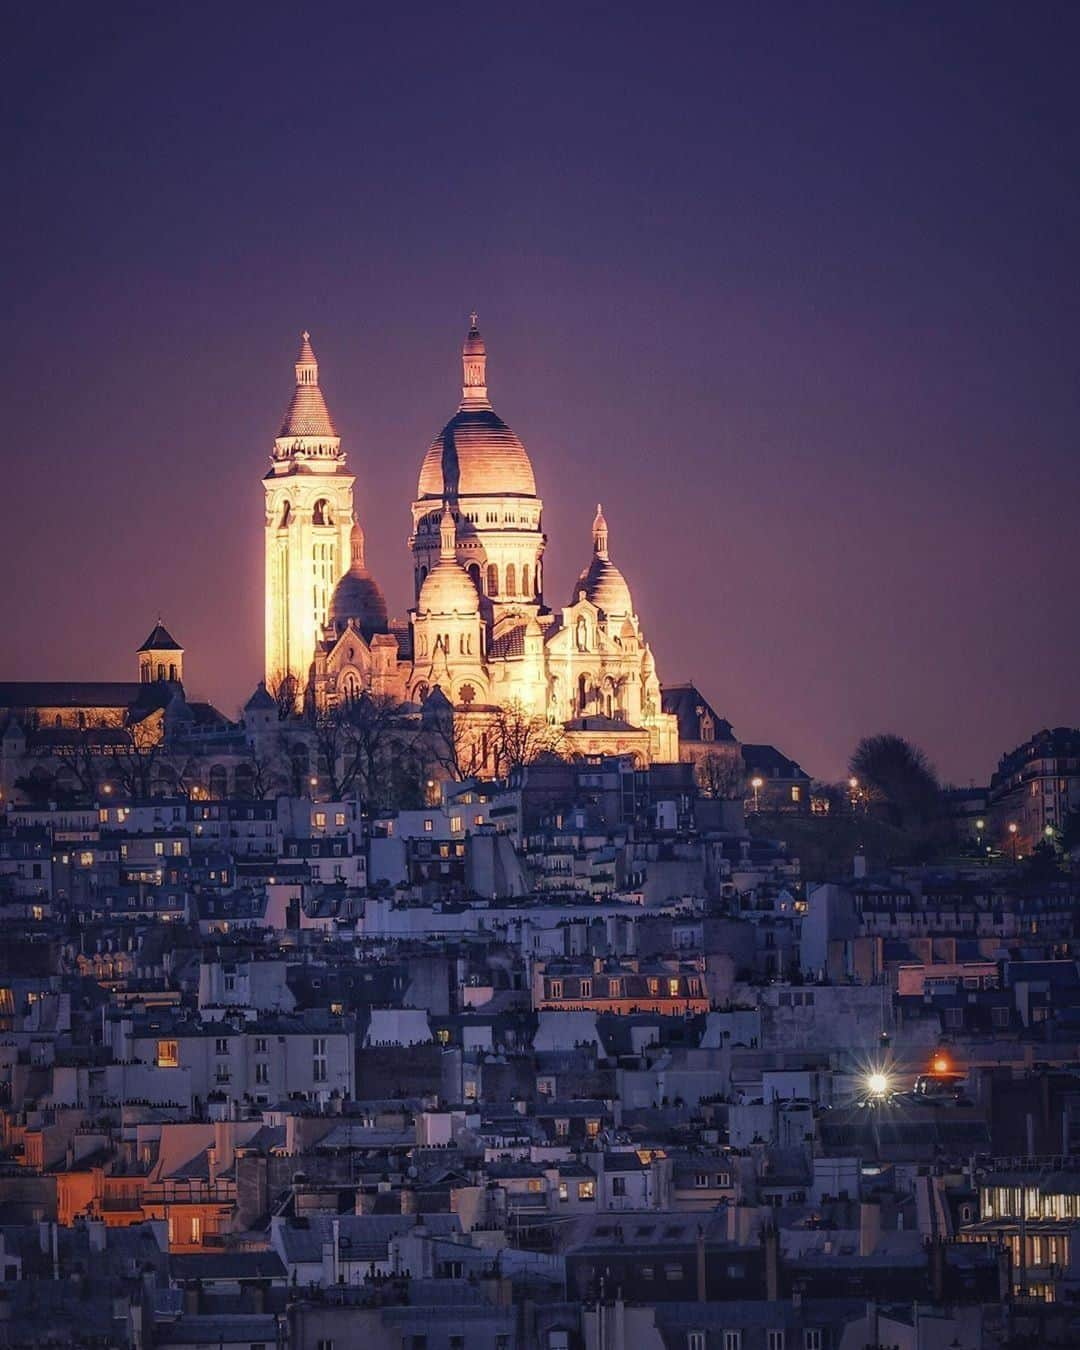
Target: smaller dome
[(357, 595), (605, 587), (447, 589)]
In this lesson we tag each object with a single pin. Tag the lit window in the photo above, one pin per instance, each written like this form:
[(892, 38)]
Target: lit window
[(339, 818), (320, 820), (673, 988), (168, 1055), (536, 1186), (455, 824), (592, 1128), (429, 825), (586, 1190), (586, 988), (178, 848), (556, 988), (159, 848), (796, 796)]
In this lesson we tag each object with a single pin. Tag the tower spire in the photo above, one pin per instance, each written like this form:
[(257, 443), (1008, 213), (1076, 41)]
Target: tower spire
[(600, 533), (307, 414), (474, 392)]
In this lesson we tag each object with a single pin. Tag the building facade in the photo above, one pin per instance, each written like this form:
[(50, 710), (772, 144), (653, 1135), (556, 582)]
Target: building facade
[(480, 629)]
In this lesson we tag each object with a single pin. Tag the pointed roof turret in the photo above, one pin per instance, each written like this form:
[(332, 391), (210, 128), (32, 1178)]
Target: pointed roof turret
[(307, 414), (474, 392), (599, 533), (261, 700), (160, 640)]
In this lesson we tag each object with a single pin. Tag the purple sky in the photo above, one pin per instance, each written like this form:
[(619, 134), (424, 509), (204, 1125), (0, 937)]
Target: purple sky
[(792, 289)]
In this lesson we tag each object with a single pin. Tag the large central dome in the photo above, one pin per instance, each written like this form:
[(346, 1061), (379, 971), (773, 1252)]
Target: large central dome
[(476, 454)]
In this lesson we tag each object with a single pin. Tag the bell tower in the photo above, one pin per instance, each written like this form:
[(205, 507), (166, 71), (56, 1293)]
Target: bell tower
[(309, 520)]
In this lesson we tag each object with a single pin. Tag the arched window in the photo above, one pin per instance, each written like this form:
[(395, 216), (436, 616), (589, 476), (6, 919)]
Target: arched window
[(218, 781), (492, 579), (286, 514), (583, 693), (582, 636), (350, 684), (320, 514), (244, 780), (172, 670), (161, 670), (525, 580), (474, 572), (144, 672), (421, 693), (511, 579)]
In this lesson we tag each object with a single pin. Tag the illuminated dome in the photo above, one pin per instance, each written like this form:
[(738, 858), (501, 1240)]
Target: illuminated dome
[(357, 595), (602, 582), (605, 587), (476, 454), (447, 588)]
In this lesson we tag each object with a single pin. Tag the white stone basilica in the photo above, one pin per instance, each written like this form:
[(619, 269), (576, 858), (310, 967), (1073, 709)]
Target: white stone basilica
[(479, 630)]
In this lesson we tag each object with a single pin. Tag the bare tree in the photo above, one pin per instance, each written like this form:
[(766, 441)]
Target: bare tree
[(137, 754), (458, 745), (721, 776), (181, 770), (264, 771), (896, 780), (520, 737), (284, 688)]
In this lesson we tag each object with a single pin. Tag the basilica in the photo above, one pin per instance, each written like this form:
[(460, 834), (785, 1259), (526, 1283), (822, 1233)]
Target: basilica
[(480, 632)]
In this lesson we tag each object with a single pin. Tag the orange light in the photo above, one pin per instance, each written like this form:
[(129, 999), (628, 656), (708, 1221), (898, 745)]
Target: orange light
[(941, 1064)]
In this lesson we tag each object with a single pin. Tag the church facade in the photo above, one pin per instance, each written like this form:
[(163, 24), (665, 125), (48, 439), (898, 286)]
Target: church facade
[(480, 629)]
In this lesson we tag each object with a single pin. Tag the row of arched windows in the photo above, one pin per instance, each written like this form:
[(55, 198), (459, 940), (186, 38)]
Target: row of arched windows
[(529, 580)]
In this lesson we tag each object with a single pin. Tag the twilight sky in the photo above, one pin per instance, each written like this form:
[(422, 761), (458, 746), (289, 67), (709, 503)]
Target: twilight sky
[(793, 289)]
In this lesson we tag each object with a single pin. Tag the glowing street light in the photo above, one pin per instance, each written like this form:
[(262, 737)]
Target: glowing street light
[(1013, 827), (757, 784), (877, 1084)]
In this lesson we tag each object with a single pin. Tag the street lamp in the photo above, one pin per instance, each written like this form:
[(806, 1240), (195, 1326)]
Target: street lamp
[(757, 784), (1013, 827)]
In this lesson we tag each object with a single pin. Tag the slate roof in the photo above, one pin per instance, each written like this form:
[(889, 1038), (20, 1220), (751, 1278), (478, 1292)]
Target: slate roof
[(684, 700), (770, 763), (69, 693), (160, 640), (361, 1237)]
